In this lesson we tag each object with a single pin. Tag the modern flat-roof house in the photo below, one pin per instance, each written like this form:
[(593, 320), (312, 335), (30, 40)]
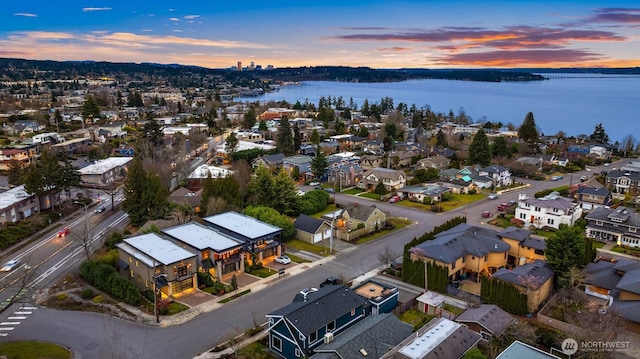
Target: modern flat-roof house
[(464, 249), (383, 298), (520, 350), (440, 338), (151, 258), (620, 225), (218, 254), (314, 316), (104, 172), (549, 211), (261, 240)]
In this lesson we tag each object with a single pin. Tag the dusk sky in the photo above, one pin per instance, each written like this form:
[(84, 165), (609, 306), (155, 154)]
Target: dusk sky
[(378, 34)]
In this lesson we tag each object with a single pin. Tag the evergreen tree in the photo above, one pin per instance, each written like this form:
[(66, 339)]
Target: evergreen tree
[(285, 198), (315, 137), (90, 108), (380, 189), (70, 176), (565, 250), (15, 172), (135, 186), (231, 145), (479, 149), (363, 132), (153, 132), (261, 187), (528, 132), (441, 139), (284, 140), (263, 126), (500, 148), (249, 119), (297, 138), (599, 135), (319, 163)]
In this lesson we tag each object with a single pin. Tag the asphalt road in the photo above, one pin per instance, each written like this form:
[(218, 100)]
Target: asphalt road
[(92, 335)]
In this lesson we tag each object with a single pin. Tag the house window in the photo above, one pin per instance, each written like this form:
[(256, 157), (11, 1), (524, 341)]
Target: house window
[(131, 273), (271, 321), (313, 337), (486, 258), (331, 326), (137, 264), (537, 209), (353, 312), (139, 279), (276, 343), (298, 353), (539, 252), (182, 271), (632, 229), (598, 223), (550, 221), (130, 259), (523, 216)]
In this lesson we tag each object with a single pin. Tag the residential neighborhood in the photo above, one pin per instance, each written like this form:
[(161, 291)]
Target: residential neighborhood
[(180, 203)]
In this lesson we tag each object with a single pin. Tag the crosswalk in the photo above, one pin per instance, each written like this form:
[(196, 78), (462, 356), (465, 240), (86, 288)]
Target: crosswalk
[(15, 319)]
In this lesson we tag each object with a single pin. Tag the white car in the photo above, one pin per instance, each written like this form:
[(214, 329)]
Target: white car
[(313, 184), (283, 260), (10, 265), (493, 196)]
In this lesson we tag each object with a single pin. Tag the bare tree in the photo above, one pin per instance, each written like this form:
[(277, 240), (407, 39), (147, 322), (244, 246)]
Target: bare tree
[(387, 256)]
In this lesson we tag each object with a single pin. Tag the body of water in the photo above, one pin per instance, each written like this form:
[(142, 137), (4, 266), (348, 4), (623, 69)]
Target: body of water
[(573, 103)]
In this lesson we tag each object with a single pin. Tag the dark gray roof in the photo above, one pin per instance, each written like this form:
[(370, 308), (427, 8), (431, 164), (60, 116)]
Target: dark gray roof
[(630, 282), (634, 176), (461, 240), (376, 334), (274, 158), (494, 169), (628, 309), (551, 202), (491, 317), (535, 243), (308, 224), (618, 215), (626, 265), (359, 212), (535, 273), (321, 307), (518, 234), (601, 274), (594, 191)]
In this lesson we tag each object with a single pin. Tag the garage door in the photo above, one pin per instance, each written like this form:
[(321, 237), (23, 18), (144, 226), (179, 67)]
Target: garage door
[(317, 237)]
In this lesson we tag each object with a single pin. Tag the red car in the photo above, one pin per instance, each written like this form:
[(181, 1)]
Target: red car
[(486, 214), (503, 206), (63, 232)]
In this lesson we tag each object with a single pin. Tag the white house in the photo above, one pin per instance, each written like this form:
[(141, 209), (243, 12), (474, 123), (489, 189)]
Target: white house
[(549, 211), (500, 175)]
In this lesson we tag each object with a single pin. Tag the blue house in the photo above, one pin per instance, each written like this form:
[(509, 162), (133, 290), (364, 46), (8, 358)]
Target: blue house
[(315, 315), (383, 298)]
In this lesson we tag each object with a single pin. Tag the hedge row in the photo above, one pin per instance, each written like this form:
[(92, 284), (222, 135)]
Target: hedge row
[(105, 277)]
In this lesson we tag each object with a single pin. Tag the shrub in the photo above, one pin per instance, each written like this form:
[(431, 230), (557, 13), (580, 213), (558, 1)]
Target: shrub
[(61, 296), (86, 293), (98, 299)]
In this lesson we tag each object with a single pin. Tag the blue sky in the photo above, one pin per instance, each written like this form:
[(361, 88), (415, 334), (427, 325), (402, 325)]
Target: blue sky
[(375, 33)]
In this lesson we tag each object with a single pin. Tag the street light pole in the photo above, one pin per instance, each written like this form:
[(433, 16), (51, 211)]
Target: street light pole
[(86, 220)]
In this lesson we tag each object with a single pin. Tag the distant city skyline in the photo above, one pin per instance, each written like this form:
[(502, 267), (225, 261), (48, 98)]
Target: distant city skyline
[(373, 33)]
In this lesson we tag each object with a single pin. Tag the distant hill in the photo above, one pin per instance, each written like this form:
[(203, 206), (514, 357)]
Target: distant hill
[(186, 75)]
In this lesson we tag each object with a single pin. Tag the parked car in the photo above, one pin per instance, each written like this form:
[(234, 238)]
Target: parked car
[(283, 260), (493, 196), (10, 265), (394, 199), (556, 178), (486, 214), (329, 190), (333, 280), (503, 206), (63, 232), (314, 183), (512, 203), (583, 178), (101, 208)]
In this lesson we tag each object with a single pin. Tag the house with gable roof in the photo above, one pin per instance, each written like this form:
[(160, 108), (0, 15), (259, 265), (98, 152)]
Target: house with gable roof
[(488, 320), (272, 162), (218, 254), (150, 259), (440, 338), (311, 230), (524, 246), (260, 240), (618, 281), (372, 336), (296, 329), (534, 279), (549, 211), (391, 179), (464, 249), (593, 197), (623, 182), (620, 225), (356, 220), (500, 175)]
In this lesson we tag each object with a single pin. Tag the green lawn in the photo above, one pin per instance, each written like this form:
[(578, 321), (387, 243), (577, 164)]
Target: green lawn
[(308, 247), (598, 244), (397, 222), (33, 350), (371, 195), (295, 258), (255, 350), (456, 201), (453, 309), (626, 250), (175, 308), (263, 272), (415, 318), (329, 209), (353, 191)]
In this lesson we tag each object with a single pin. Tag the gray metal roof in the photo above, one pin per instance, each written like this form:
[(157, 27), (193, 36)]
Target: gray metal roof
[(308, 224), (490, 316), (519, 350), (152, 249), (244, 225), (551, 202), (201, 237), (630, 282), (602, 274), (518, 234), (614, 215), (461, 240)]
